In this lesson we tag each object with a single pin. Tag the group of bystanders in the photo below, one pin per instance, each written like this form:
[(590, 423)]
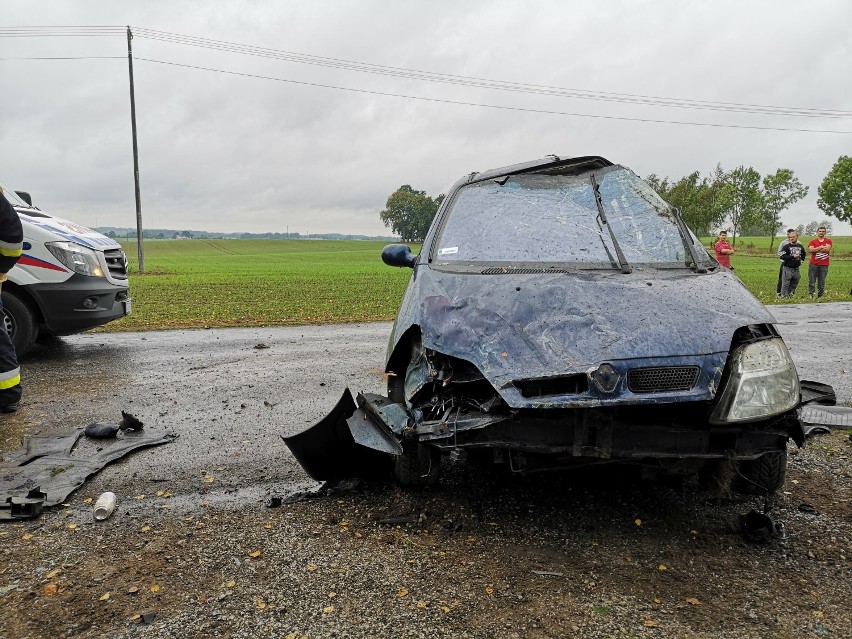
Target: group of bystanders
[(792, 255)]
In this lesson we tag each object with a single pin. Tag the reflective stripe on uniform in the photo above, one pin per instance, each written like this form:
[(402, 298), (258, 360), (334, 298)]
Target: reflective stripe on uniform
[(11, 249), (10, 378)]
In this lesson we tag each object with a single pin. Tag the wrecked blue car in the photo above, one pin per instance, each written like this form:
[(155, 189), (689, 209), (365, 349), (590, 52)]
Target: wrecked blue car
[(561, 313)]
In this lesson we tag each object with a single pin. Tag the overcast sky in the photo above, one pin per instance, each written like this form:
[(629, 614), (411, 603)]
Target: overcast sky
[(225, 152)]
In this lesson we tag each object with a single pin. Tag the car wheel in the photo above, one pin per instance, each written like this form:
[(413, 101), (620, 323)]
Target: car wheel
[(419, 465), (19, 322), (764, 475)]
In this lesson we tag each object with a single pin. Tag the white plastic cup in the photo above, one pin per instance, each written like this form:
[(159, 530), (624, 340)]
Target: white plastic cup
[(104, 506)]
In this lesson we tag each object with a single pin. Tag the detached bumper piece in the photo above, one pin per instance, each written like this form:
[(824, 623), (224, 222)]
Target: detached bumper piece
[(351, 441), (23, 507)]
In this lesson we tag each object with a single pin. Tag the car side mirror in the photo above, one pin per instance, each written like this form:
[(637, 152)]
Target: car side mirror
[(398, 255), (26, 197)]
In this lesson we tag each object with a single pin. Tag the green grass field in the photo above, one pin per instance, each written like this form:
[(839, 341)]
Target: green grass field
[(219, 283), (200, 283), (760, 275)]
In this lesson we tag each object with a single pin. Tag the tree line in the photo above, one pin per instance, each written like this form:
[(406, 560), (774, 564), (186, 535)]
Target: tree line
[(740, 200)]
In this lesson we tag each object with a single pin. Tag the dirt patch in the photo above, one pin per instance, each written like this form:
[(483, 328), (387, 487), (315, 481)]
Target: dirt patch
[(600, 553)]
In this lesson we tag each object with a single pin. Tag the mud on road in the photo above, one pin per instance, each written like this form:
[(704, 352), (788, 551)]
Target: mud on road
[(193, 550)]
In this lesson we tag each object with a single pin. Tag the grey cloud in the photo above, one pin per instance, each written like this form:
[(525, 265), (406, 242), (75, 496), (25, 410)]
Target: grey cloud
[(224, 153)]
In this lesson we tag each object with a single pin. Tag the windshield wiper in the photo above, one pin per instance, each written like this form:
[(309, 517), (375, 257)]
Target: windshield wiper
[(622, 261), (684, 233)]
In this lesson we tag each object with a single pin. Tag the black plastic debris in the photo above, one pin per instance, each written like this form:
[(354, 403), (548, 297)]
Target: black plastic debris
[(101, 430), (129, 422), (815, 429), (757, 526), (808, 508), (818, 412), (105, 430), (25, 507), (817, 393)]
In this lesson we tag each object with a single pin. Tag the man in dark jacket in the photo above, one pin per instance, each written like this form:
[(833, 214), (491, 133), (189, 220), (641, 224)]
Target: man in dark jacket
[(792, 254), (11, 243)]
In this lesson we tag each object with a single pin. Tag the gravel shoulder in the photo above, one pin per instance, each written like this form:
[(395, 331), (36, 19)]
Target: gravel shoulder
[(597, 554)]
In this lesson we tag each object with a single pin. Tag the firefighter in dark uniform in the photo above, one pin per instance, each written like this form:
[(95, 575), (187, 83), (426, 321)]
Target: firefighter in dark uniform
[(11, 243)]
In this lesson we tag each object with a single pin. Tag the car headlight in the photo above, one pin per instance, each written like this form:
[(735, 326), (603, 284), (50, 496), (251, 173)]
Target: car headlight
[(76, 257), (763, 382)]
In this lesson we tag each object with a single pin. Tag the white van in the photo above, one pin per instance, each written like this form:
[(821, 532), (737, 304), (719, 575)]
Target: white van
[(69, 278)]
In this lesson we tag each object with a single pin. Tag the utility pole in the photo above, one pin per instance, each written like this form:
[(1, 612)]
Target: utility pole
[(139, 234)]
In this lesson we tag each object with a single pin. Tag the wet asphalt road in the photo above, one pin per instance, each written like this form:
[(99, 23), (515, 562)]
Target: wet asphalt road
[(228, 394), (231, 393)]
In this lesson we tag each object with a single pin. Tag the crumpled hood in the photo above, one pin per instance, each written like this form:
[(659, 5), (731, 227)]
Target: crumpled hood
[(514, 326)]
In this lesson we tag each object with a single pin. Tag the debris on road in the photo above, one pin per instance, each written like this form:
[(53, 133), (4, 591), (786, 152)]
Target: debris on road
[(101, 430), (756, 526), (105, 430), (26, 507), (808, 508), (129, 422), (314, 491), (104, 506), (815, 429), (826, 416), (45, 469)]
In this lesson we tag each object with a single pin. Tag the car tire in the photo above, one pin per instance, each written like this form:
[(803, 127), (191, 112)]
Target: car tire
[(20, 322), (764, 475), (419, 465)]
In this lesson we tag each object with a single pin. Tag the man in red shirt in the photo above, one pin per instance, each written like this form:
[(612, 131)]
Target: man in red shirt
[(819, 248), (724, 250)]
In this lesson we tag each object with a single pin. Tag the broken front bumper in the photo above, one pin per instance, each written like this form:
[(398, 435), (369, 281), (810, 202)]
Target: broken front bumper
[(359, 439), (346, 443)]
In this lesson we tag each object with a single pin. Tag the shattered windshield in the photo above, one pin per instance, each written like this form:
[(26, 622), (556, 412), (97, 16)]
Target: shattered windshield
[(553, 218)]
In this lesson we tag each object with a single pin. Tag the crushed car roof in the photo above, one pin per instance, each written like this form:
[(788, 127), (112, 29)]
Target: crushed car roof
[(548, 162)]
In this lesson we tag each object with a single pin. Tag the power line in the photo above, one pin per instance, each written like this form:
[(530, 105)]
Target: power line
[(490, 106), (439, 100), (54, 31), (81, 57), (360, 67), (582, 94)]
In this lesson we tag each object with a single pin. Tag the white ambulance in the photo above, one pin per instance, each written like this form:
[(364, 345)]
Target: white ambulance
[(69, 278)]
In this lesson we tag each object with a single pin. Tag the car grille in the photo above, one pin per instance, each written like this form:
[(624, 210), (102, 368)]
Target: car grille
[(669, 378), (116, 263)]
